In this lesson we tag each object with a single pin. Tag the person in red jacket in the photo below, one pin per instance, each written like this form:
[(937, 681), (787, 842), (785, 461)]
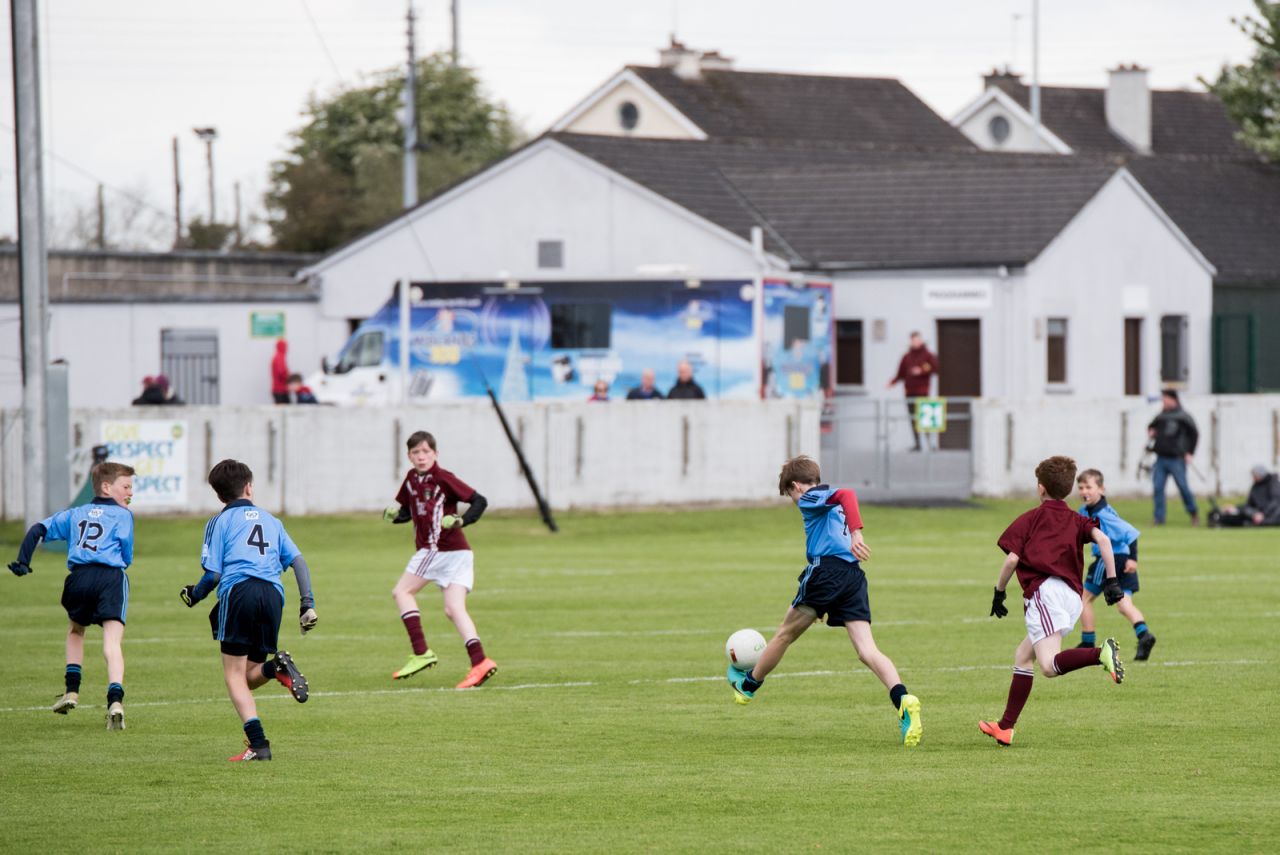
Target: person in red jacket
[(280, 373), (915, 371)]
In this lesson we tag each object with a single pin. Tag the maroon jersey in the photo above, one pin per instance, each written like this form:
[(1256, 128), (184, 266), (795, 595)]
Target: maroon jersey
[(917, 383), (430, 496), (1047, 541)]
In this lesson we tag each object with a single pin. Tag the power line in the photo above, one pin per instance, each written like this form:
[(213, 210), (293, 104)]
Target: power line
[(320, 38)]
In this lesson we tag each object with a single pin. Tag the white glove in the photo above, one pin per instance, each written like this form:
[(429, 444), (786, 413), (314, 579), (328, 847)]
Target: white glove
[(307, 620)]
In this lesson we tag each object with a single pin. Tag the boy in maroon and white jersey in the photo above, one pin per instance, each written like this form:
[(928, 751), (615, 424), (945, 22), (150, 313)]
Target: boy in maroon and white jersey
[(429, 495), (1043, 547)]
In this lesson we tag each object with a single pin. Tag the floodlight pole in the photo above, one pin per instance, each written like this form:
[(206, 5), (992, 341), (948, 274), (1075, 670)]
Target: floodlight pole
[(32, 263), (410, 123), (1035, 68)]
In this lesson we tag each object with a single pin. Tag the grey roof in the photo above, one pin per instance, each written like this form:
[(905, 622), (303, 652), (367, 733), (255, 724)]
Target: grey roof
[(853, 111), (1183, 123), (826, 207)]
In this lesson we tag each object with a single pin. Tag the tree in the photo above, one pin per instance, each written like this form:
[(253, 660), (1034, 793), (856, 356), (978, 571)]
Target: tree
[(1251, 92), (344, 171), (128, 222)]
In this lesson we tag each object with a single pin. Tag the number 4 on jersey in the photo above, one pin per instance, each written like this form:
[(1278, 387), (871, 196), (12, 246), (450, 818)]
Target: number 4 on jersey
[(256, 539)]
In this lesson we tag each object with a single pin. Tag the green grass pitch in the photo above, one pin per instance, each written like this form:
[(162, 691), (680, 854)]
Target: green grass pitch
[(609, 726)]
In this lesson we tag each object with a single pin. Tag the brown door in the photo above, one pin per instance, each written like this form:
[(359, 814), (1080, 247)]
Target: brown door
[(1133, 356), (959, 375)]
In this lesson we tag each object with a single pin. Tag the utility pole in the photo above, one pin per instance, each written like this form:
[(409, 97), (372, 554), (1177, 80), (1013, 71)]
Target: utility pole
[(239, 234), (102, 221), (208, 135), (177, 198), (410, 124), (1035, 69), (453, 13), (33, 274)]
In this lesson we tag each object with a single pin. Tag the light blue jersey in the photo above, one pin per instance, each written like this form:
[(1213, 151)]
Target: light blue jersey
[(826, 526), (100, 532), (1122, 534), (244, 542)]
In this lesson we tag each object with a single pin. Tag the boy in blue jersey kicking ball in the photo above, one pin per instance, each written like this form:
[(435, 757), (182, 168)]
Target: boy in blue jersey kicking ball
[(832, 585), (245, 552), (1124, 543), (99, 538)]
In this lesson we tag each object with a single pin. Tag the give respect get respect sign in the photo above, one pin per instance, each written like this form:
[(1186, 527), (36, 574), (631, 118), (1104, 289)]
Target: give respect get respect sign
[(157, 450)]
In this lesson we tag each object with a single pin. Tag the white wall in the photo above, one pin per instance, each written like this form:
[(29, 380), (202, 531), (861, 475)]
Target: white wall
[(489, 228), (1020, 136), (110, 347), (653, 121), (1118, 258), (312, 460)]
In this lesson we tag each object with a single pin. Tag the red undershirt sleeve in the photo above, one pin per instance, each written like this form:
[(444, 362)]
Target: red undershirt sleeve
[(848, 501)]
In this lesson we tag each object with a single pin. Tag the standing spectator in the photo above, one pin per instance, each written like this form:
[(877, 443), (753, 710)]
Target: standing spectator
[(646, 390), (151, 393), (1261, 508), (916, 370), (1173, 438), (170, 396), (601, 391), (686, 387), (280, 373)]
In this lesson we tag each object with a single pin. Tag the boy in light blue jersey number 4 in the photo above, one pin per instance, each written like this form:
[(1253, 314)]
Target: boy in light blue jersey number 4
[(832, 585), (1124, 543), (245, 552), (99, 538)]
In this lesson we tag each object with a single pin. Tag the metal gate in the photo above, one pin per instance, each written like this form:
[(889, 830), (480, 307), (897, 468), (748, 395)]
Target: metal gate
[(189, 358), (868, 444)]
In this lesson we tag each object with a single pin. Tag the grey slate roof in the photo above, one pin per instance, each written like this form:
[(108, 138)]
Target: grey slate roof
[(828, 207), (853, 111), (1183, 123)]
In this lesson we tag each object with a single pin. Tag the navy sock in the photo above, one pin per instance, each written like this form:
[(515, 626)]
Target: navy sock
[(269, 668), (750, 683), (253, 731), (1140, 628), (1089, 638), (895, 695), (115, 692), (73, 677)]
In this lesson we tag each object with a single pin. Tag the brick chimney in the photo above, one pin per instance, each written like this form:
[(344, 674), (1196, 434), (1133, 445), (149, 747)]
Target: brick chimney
[(688, 64), (1128, 106), (1005, 79)]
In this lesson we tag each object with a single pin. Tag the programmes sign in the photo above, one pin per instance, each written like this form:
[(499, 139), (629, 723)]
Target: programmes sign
[(157, 450)]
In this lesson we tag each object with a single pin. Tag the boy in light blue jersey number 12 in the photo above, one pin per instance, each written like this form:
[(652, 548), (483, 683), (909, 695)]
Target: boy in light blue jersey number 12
[(99, 538), (245, 552), (832, 585)]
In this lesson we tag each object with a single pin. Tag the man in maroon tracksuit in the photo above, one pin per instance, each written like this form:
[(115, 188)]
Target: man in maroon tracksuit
[(915, 371)]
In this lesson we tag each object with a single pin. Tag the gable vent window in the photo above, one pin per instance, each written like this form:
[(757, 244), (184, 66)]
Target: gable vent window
[(999, 129), (550, 253), (628, 115)]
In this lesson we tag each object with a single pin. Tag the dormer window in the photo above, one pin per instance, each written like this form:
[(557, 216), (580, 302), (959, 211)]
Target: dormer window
[(628, 115), (999, 129)]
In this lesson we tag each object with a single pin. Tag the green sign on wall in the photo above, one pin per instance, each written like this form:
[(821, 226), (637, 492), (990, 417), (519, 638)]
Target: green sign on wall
[(266, 324), (931, 415)]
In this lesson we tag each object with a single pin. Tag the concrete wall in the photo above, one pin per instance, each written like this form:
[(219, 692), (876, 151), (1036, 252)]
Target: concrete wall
[(490, 226), (312, 460)]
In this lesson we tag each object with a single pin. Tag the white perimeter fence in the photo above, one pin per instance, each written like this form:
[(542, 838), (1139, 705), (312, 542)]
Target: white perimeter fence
[(316, 460)]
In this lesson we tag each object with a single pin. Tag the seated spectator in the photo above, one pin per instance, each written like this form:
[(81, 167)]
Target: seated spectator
[(601, 391), (297, 393), (686, 387), (1261, 508), (646, 390), (170, 396), (152, 394)]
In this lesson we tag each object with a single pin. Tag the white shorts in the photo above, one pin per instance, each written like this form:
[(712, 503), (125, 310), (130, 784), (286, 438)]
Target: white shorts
[(456, 567), (1053, 608)]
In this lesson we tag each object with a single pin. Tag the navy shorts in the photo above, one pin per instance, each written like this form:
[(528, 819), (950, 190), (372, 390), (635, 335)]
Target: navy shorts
[(247, 619), (1097, 574), (835, 588), (93, 593)]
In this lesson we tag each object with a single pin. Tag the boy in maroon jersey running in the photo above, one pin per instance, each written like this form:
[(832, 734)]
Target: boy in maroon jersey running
[(429, 496), (1044, 547)]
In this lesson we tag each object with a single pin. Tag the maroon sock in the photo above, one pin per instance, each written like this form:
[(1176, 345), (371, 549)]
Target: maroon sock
[(1019, 691), (476, 651), (413, 623), (1077, 658)]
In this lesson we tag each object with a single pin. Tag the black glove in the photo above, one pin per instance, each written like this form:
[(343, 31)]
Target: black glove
[(997, 604), (1112, 591), (19, 569), (188, 595)]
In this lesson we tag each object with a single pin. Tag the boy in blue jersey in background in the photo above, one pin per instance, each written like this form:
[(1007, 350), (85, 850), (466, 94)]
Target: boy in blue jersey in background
[(245, 552), (99, 538), (833, 585), (1124, 542)]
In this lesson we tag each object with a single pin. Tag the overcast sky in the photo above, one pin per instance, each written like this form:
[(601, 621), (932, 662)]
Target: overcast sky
[(122, 77)]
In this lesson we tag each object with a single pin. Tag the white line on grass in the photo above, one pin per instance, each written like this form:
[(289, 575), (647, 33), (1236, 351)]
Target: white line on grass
[(577, 684)]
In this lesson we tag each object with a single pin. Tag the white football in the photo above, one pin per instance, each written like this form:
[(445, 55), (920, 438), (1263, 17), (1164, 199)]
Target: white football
[(744, 648)]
